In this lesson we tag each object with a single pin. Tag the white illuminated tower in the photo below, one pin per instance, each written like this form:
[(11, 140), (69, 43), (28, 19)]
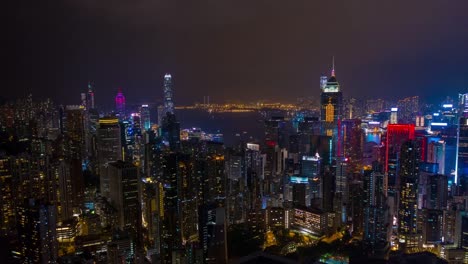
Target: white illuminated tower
[(168, 102)]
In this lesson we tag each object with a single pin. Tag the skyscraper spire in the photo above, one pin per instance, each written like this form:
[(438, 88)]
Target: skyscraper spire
[(333, 67)]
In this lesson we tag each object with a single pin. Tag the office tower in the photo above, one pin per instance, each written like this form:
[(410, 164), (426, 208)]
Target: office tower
[(396, 135), (109, 145), (310, 168), (235, 187), (145, 117), (66, 199), (74, 130), (331, 109), (323, 146), (463, 104), (254, 176), (170, 131), (436, 154), (341, 191), (161, 115), (90, 97), (168, 95), (37, 232), (213, 233), (123, 184), (170, 213), (353, 144), (272, 139), (462, 151), (212, 212), (408, 228), (120, 104), (376, 217), (75, 135)]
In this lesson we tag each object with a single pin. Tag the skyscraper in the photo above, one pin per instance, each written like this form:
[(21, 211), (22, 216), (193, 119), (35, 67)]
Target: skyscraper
[(109, 148), (462, 151), (376, 218), (145, 117), (123, 183), (409, 232), (331, 110), (120, 104), (396, 135), (37, 232), (168, 94), (90, 97)]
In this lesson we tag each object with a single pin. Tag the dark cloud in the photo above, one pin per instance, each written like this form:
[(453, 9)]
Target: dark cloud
[(234, 50)]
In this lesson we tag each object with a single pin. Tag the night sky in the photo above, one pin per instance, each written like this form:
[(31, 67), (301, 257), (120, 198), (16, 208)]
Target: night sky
[(234, 50)]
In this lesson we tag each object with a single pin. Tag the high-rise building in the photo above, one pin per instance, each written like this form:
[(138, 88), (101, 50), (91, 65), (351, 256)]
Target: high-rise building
[(462, 151), (170, 131), (409, 232), (463, 104), (331, 108), (123, 185), (90, 97), (145, 117), (353, 142), (376, 217), (75, 136), (168, 95), (109, 145), (7, 190), (37, 232), (436, 154), (396, 135), (120, 104)]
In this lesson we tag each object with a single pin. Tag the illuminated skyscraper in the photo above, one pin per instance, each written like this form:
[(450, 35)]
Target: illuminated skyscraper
[(395, 137), (120, 104), (145, 117), (37, 232), (331, 109), (463, 104), (462, 150), (168, 94), (376, 220), (90, 97), (409, 232), (109, 142)]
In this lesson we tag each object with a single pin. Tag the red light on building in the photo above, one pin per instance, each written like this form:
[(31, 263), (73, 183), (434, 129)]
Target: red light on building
[(270, 143), (397, 134)]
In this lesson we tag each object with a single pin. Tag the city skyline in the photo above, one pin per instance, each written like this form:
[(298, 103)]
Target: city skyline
[(219, 132), (234, 51)]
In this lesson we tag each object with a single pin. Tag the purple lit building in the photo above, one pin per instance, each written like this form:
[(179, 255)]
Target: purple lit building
[(120, 104)]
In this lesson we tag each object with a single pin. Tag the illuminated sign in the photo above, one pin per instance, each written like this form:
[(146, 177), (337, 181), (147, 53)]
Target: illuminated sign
[(438, 124), (394, 109), (310, 158), (374, 123), (297, 179), (447, 105), (436, 114), (253, 146)]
